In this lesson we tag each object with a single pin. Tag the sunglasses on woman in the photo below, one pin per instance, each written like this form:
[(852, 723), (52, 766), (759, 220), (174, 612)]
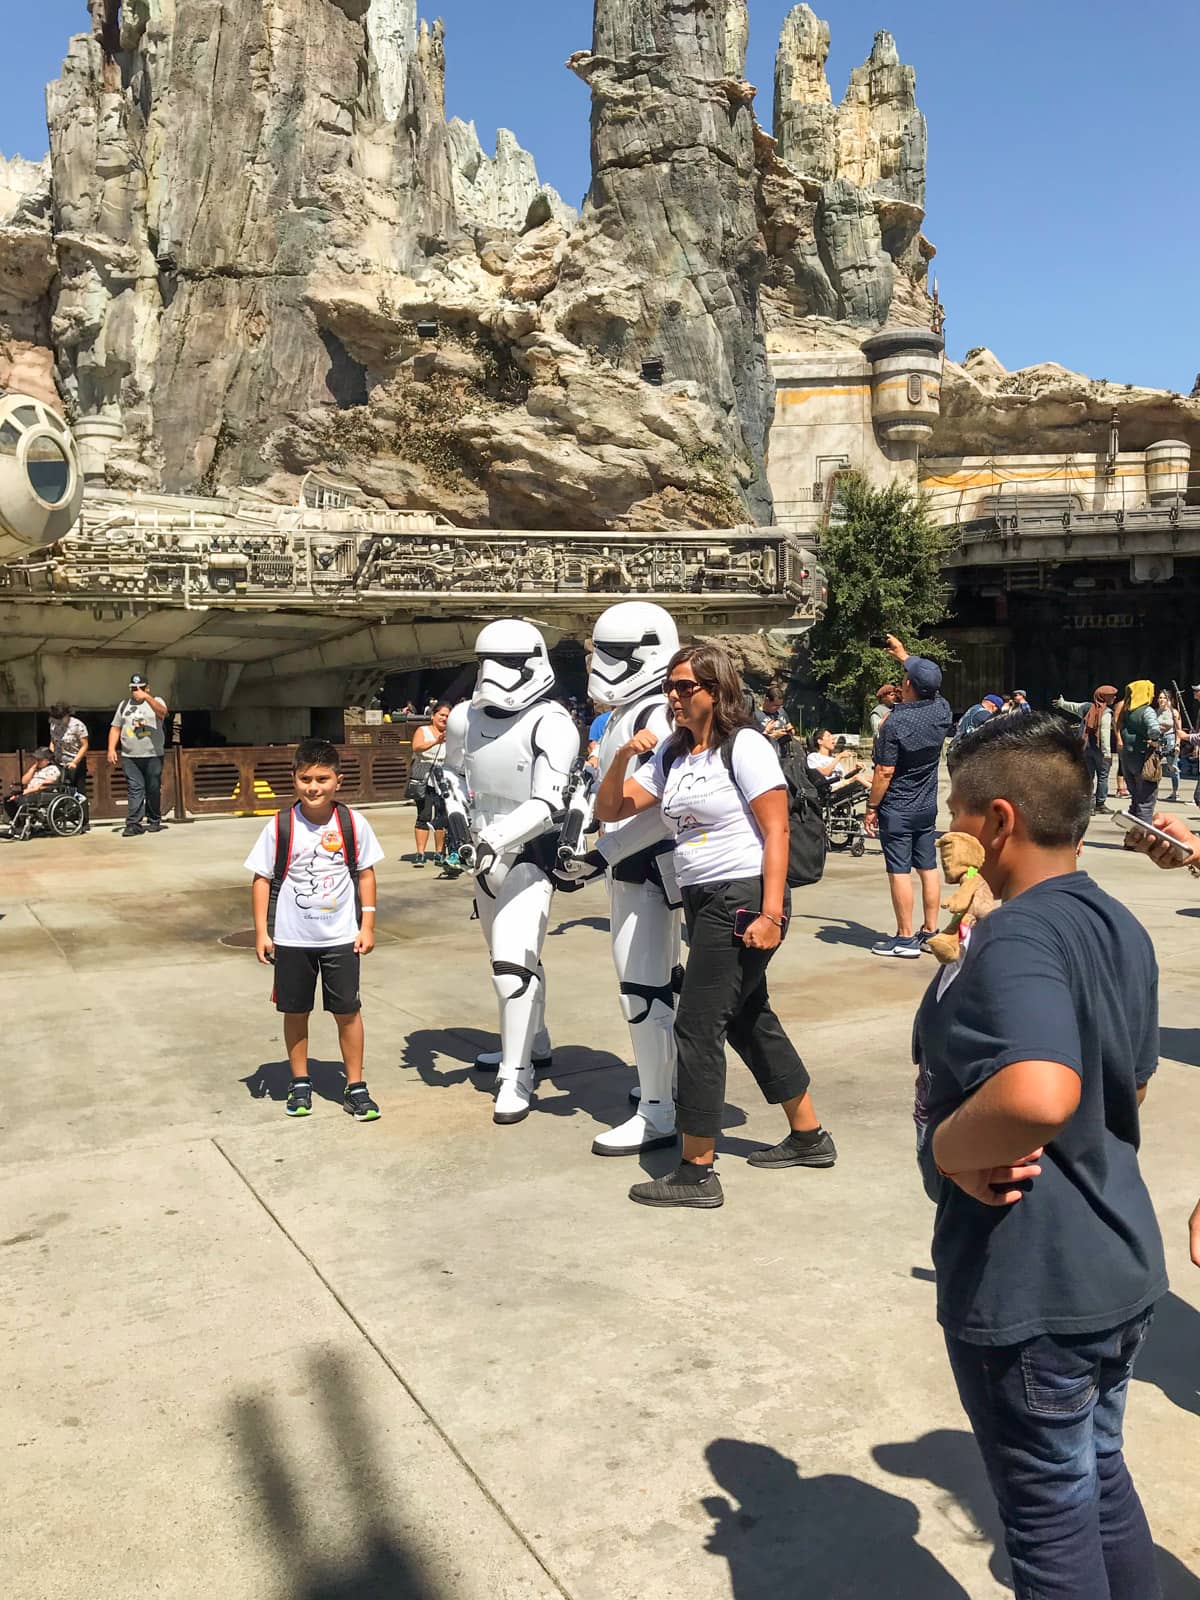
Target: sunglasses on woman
[(685, 688)]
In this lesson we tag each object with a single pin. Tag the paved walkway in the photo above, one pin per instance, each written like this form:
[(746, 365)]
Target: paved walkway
[(432, 1359)]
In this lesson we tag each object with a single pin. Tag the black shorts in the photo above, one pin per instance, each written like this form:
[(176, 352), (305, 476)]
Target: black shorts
[(296, 968)]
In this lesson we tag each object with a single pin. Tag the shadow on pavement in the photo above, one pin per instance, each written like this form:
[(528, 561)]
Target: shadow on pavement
[(597, 924), (1180, 1044), (272, 1080), (582, 1076), (828, 1537), (950, 1460), (840, 930), (375, 1564), (1170, 1357)]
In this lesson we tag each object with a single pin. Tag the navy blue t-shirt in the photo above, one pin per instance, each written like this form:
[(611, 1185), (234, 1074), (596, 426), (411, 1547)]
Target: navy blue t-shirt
[(1061, 973), (911, 740)]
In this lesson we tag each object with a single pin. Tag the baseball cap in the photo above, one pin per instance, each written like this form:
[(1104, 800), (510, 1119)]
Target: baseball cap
[(924, 675), (138, 682), (996, 700)]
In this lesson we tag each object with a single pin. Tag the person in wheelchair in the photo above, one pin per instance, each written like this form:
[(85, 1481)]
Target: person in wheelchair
[(841, 771), (44, 798)]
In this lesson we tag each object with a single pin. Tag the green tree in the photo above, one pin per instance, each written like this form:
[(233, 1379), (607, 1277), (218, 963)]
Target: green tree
[(884, 559)]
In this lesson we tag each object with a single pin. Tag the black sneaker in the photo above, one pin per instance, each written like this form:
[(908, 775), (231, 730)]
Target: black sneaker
[(156, 827), (419, 859), (299, 1100), (820, 1152), (131, 833), (680, 1188), (359, 1103)]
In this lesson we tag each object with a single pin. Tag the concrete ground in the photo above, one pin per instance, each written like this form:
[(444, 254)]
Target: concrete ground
[(252, 1357)]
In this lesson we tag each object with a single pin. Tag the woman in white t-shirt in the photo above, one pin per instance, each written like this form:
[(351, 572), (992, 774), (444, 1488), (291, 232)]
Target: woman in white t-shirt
[(719, 783), (429, 749)]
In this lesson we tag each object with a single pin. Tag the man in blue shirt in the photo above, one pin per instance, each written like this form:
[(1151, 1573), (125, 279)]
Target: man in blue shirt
[(1035, 1052), (902, 809)]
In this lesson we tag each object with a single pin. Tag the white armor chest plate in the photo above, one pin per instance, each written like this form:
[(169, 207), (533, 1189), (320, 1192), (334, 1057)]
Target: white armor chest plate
[(499, 760), (622, 726)]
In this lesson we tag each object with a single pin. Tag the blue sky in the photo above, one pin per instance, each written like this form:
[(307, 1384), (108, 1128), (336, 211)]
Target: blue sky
[(1063, 187)]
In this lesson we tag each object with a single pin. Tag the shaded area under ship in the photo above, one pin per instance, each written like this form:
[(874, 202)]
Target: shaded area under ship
[(298, 606)]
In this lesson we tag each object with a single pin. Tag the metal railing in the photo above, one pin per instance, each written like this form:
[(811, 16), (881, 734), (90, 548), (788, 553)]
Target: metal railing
[(249, 780)]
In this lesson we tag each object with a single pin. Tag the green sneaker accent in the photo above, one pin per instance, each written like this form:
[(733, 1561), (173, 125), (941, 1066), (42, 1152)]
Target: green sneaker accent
[(359, 1104), (299, 1101)]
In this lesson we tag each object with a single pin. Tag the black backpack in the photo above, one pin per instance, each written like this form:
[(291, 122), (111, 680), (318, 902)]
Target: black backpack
[(284, 824), (806, 822)]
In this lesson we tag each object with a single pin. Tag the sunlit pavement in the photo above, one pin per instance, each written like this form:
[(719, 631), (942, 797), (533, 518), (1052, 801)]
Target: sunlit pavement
[(251, 1357)]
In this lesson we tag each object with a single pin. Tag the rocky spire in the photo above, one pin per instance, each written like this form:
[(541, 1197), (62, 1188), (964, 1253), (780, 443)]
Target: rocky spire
[(805, 120), (881, 134), (392, 30), (497, 192), (671, 214), (862, 163)]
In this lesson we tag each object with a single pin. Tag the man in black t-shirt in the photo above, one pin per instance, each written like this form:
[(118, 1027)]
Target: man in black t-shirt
[(1034, 1054)]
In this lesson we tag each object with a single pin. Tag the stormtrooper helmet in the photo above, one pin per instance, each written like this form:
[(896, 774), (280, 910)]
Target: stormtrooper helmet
[(514, 666), (631, 645)]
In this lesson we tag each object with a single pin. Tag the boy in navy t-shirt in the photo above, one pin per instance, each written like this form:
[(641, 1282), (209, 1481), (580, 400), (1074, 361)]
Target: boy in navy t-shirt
[(1034, 1055)]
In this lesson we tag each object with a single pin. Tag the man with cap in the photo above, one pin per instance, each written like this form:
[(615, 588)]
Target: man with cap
[(886, 697), (1192, 738), (135, 740), (975, 716), (902, 809), (1020, 701)]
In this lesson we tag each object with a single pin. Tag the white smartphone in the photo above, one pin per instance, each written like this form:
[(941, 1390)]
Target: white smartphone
[(1128, 824)]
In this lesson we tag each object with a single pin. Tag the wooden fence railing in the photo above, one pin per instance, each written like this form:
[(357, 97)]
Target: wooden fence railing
[(236, 780)]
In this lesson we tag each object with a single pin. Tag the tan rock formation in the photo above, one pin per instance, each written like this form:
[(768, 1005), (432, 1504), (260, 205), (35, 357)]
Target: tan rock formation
[(1047, 408), (27, 270)]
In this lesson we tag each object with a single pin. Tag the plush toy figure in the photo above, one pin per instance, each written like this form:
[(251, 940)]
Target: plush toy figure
[(962, 857)]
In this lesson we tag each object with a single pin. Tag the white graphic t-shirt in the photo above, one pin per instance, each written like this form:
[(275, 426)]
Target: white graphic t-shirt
[(316, 899), (716, 836)]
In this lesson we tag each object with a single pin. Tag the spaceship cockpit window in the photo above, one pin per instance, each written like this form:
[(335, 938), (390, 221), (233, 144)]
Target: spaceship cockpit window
[(48, 469)]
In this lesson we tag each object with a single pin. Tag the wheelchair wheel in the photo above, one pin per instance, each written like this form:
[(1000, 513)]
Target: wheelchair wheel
[(65, 815), (839, 830), (859, 847)]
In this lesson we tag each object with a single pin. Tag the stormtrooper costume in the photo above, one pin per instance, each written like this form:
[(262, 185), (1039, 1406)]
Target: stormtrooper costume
[(632, 644), (509, 755)]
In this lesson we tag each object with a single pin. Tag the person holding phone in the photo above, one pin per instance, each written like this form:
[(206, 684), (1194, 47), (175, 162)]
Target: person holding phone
[(720, 787), (135, 743)]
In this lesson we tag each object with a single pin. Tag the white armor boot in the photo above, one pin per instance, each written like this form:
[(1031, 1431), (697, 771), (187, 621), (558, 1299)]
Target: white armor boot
[(632, 644), (509, 755), (543, 1051)]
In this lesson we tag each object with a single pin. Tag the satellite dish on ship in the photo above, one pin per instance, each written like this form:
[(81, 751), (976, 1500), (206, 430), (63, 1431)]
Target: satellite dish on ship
[(41, 483)]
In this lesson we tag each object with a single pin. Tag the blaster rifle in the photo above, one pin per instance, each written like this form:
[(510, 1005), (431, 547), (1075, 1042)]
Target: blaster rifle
[(458, 823), (580, 806)]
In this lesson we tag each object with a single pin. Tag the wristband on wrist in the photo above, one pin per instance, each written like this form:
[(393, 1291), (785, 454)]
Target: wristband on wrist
[(365, 909), (778, 921)]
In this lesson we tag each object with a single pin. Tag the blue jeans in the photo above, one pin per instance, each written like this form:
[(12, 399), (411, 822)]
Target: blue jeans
[(1047, 1416), (143, 774)]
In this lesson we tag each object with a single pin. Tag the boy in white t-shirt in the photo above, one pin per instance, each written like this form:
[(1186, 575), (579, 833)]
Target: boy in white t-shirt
[(324, 920)]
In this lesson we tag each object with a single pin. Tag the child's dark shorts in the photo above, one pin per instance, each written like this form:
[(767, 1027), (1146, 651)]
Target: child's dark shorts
[(296, 969)]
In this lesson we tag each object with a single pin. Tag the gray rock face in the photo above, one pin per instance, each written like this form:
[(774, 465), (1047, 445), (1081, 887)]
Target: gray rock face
[(874, 144), (498, 192), (668, 258)]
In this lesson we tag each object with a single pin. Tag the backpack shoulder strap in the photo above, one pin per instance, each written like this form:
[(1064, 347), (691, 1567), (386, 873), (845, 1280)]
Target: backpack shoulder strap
[(283, 844), (349, 833)]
